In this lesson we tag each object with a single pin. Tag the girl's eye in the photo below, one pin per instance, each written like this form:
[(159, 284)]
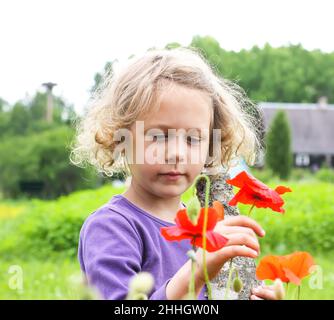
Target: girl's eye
[(193, 140), (159, 138)]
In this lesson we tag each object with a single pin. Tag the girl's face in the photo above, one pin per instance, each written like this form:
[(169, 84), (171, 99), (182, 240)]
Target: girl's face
[(171, 159)]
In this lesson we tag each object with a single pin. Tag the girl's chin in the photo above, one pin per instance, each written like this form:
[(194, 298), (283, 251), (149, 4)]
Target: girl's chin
[(171, 191)]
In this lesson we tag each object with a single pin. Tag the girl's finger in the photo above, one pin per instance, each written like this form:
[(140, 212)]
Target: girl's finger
[(264, 293), (243, 239), (243, 221), (231, 229), (229, 252), (254, 297), (269, 287)]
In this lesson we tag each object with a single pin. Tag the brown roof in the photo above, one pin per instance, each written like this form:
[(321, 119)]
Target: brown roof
[(312, 126)]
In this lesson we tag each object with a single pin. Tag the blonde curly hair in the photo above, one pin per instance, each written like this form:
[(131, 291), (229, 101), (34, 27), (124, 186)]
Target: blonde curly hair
[(134, 91)]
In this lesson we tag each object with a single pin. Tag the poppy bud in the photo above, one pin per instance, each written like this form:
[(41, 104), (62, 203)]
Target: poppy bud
[(237, 284), (279, 289), (141, 283), (139, 296), (193, 209), (85, 291), (192, 255)]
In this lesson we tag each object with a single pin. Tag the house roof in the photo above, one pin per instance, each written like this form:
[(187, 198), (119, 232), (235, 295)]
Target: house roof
[(312, 125)]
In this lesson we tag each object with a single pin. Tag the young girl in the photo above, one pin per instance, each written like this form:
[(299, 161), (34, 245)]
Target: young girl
[(153, 119)]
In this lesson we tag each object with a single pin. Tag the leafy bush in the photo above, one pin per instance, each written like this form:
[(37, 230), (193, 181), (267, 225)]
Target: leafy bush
[(299, 174), (325, 175), (52, 227), (264, 175), (42, 158)]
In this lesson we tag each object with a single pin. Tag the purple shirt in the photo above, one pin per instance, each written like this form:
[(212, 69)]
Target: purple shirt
[(119, 240)]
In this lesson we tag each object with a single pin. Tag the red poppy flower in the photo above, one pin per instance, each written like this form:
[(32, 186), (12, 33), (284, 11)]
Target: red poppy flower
[(185, 229), (254, 192), (270, 268), (297, 266), (290, 268)]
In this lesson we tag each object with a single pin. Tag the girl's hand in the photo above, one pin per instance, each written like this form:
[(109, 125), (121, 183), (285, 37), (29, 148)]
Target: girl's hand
[(264, 292), (242, 234)]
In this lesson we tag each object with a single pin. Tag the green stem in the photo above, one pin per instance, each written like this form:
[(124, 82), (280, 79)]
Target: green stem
[(287, 289), (192, 280), (250, 210), (206, 209), (229, 280), (298, 295)]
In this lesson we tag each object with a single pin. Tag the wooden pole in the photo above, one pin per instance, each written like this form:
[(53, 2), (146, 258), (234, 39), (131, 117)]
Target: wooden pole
[(49, 107)]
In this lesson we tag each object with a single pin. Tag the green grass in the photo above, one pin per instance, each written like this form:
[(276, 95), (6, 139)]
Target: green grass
[(52, 280), (41, 279), (32, 229)]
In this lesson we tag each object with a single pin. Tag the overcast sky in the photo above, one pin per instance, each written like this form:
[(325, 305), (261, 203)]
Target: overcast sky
[(67, 41)]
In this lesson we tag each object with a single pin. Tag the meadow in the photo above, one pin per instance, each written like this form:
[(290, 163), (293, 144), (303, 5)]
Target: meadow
[(39, 238)]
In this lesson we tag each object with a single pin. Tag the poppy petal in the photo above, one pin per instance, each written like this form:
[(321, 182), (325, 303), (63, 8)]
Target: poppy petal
[(211, 222), (289, 268), (242, 196), (245, 179), (299, 263), (270, 268), (238, 180), (217, 205), (254, 192), (182, 221), (214, 241), (291, 276), (282, 189), (175, 233)]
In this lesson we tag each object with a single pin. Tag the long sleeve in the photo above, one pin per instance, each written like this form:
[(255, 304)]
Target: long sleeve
[(111, 253), (160, 293)]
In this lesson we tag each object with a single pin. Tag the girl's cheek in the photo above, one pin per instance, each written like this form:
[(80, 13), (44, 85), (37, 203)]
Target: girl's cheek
[(154, 154), (193, 171)]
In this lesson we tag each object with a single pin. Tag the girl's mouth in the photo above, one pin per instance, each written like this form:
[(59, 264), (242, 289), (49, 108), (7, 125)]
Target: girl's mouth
[(172, 175)]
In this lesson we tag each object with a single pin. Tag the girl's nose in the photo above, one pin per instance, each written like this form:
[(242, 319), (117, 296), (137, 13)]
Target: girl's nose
[(177, 150)]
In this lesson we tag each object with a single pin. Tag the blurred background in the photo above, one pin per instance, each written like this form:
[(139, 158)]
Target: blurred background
[(53, 56)]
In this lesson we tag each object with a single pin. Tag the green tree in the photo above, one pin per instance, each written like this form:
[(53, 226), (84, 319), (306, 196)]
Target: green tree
[(62, 112), (2, 104), (19, 119), (278, 142), (98, 78), (211, 50), (28, 116), (284, 74), (172, 45), (41, 158), (4, 118)]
